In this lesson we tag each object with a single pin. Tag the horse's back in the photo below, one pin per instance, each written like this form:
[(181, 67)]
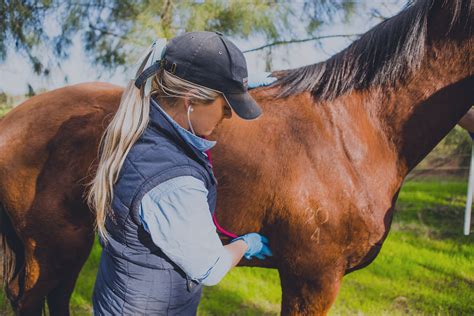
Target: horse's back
[(57, 129), (63, 102), (36, 120)]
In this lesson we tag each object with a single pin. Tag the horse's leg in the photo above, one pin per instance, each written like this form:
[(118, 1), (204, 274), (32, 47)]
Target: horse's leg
[(23, 286), (31, 306), (50, 271), (27, 289), (308, 258), (58, 298), (52, 263), (308, 295)]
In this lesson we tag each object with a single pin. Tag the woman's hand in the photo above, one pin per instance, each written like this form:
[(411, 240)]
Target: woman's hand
[(257, 245)]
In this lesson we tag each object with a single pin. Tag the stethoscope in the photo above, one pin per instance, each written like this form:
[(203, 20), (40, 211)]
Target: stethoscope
[(208, 153), (190, 109)]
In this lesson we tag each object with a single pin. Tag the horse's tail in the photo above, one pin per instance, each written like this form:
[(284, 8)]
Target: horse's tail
[(13, 258)]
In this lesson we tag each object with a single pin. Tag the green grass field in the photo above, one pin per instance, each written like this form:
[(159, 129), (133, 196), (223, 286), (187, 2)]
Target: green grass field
[(426, 267)]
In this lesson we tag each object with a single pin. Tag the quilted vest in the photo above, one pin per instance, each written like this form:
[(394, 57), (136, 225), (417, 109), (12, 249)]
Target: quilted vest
[(158, 155)]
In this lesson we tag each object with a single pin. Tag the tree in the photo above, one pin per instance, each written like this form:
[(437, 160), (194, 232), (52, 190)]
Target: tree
[(3, 98), (114, 31)]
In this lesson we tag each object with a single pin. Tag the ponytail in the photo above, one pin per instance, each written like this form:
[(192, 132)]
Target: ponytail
[(125, 128)]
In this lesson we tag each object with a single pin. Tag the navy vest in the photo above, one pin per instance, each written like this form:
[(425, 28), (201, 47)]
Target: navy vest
[(158, 155)]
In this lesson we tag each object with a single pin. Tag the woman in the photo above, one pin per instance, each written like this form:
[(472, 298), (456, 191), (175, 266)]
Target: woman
[(154, 191)]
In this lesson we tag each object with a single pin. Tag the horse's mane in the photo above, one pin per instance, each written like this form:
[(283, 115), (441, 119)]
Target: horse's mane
[(384, 55)]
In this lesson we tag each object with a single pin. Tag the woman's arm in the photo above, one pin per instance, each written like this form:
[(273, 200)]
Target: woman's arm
[(177, 216), (237, 250)]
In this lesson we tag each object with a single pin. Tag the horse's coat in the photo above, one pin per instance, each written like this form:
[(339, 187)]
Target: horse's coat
[(324, 162)]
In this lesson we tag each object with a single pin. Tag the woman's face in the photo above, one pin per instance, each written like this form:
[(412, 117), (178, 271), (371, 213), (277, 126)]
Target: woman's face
[(205, 117)]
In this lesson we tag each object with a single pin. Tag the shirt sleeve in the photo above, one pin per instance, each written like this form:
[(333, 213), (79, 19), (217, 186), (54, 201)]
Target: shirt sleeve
[(177, 216)]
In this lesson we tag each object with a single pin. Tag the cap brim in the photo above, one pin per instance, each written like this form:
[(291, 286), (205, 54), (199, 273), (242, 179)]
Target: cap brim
[(244, 105)]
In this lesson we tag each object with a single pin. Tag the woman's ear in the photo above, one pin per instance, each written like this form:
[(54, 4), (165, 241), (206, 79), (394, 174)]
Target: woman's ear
[(187, 102)]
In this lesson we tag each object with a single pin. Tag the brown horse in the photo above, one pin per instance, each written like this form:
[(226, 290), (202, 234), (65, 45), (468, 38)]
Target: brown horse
[(318, 173)]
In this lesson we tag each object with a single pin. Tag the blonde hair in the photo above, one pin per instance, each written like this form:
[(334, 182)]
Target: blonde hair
[(125, 128)]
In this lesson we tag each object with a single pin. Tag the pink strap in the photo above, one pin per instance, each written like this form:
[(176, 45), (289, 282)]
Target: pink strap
[(222, 230), (219, 228)]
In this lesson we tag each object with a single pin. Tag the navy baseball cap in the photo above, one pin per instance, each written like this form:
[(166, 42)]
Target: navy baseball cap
[(211, 60)]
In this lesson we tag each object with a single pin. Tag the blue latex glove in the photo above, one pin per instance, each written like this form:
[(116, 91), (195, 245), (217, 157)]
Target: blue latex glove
[(257, 79), (257, 245)]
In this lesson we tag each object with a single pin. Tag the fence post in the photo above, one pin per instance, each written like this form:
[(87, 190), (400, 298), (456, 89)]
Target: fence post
[(467, 211)]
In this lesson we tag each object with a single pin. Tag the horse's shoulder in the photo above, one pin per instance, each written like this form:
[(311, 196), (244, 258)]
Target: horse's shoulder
[(94, 87)]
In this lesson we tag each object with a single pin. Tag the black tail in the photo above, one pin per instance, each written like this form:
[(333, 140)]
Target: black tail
[(13, 259)]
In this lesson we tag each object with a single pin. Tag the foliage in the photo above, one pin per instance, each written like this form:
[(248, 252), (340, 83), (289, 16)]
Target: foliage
[(113, 31), (450, 157), (457, 141), (3, 97), (6, 102)]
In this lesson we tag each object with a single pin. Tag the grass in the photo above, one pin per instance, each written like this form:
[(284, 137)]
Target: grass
[(426, 267), (4, 109)]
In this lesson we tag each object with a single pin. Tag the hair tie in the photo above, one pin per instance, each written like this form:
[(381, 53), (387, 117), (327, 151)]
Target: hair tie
[(152, 65)]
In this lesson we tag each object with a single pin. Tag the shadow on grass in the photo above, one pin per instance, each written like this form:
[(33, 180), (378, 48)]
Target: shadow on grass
[(434, 209), (219, 301), (456, 278)]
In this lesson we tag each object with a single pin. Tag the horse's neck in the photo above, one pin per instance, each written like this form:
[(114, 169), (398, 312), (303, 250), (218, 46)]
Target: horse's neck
[(416, 115)]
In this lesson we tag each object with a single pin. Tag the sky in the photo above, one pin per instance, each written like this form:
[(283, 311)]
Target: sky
[(15, 72)]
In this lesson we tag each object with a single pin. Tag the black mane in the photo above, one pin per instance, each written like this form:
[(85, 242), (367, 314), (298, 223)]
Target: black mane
[(384, 55)]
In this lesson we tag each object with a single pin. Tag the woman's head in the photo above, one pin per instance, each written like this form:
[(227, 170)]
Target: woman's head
[(199, 80), (210, 60), (194, 107)]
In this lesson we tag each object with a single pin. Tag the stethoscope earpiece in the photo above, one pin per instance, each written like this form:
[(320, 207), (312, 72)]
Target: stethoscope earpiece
[(190, 109)]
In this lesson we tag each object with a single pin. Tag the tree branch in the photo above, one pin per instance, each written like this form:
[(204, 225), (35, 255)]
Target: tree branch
[(107, 32), (166, 14), (300, 41)]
